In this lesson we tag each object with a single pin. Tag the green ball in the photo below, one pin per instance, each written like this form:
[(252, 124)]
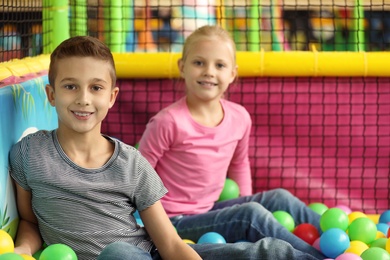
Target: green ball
[(10, 256), (230, 190), (58, 252), (362, 229), (334, 218), (38, 254), (375, 253), (285, 219), (318, 207), (379, 242)]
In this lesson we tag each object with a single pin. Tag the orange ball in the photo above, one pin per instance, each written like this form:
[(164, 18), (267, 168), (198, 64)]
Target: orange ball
[(6, 243)]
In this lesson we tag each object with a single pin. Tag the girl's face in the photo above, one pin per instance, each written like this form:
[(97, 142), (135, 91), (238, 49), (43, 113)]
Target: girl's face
[(82, 94), (208, 69)]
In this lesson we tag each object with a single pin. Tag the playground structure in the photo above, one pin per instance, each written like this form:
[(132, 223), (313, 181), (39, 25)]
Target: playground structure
[(321, 119)]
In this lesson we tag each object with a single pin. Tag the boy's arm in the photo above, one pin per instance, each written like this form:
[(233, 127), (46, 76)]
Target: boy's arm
[(164, 235), (28, 238)]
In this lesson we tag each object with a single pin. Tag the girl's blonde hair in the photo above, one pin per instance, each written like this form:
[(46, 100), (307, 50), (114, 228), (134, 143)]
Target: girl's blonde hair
[(208, 31)]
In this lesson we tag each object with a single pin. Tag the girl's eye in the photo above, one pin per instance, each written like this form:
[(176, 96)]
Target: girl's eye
[(220, 65), (198, 63)]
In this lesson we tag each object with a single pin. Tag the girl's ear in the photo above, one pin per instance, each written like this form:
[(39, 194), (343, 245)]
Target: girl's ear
[(180, 65), (234, 73), (50, 94)]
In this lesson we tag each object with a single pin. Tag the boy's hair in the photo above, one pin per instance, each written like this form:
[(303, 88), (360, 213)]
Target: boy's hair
[(207, 31), (81, 46)]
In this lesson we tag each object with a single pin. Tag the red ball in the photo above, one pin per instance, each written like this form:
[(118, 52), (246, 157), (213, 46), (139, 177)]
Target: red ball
[(307, 232)]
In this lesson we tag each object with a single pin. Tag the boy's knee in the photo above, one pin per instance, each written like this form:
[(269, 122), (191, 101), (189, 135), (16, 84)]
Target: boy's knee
[(282, 193)]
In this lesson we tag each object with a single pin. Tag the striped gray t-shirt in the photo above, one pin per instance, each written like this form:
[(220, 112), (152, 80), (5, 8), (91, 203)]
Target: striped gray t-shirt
[(85, 209)]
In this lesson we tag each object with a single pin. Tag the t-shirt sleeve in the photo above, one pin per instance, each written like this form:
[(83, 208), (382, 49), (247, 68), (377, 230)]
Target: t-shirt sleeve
[(17, 157), (157, 137), (149, 188)]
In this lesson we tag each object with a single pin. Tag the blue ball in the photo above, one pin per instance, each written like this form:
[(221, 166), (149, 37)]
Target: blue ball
[(333, 242), (383, 227), (211, 237), (385, 217)]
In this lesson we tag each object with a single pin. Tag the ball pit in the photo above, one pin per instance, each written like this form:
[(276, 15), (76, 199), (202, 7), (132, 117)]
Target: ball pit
[(10, 256), (58, 252), (375, 253), (362, 229), (334, 242), (211, 237), (307, 232), (230, 190), (6, 242), (334, 218), (318, 207), (385, 217), (285, 219)]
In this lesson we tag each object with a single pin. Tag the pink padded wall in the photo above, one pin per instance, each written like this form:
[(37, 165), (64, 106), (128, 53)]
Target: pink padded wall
[(324, 139)]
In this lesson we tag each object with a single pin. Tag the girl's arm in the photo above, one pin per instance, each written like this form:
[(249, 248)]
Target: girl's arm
[(164, 235), (28, 238)]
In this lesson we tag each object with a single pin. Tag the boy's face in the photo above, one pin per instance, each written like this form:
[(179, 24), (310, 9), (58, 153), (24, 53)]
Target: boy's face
[(208, 69), (82, 94)]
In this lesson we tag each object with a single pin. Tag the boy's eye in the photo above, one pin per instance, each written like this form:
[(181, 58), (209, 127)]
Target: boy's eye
[(70, 87), (96, 88), (220, 65)]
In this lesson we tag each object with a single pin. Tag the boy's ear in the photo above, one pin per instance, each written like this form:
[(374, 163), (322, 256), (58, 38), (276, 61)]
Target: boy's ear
[(50, 94)]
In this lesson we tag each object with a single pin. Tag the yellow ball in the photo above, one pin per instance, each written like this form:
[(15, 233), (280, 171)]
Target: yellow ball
[(356, 247), (388, 245), (6, 243), (187, 241), (27, 257), (354, 215)]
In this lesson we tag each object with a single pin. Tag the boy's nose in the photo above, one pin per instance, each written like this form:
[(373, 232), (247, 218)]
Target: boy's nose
[(83, 98)]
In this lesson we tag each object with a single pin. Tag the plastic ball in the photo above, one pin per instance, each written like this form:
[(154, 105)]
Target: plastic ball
[(285, 219), (348, 256), (375, 253), (211, 237), (316, 244), (385, 217), (318, 207), (230, 190), (307, 232), (354, 215), (188, 241), (362, 229), (388, 245), (334, 218), (344, 208), (334, 242), (58, 252), (380, 242), (27, 257), (6, 242), (356, 247), (37, 254), (383, 227), (10, 256)]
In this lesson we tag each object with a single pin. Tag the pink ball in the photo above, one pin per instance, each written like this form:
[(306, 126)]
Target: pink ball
[(316, 244), (346, 209), (348, 256)]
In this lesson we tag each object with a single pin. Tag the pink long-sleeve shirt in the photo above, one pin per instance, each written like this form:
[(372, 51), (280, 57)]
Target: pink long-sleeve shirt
[(193, 161)]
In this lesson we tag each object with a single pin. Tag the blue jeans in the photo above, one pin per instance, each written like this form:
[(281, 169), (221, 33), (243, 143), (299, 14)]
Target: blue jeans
[(264, 249), (250, 219)]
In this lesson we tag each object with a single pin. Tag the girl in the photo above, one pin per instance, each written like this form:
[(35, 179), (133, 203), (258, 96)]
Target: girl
[(201, 139)]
